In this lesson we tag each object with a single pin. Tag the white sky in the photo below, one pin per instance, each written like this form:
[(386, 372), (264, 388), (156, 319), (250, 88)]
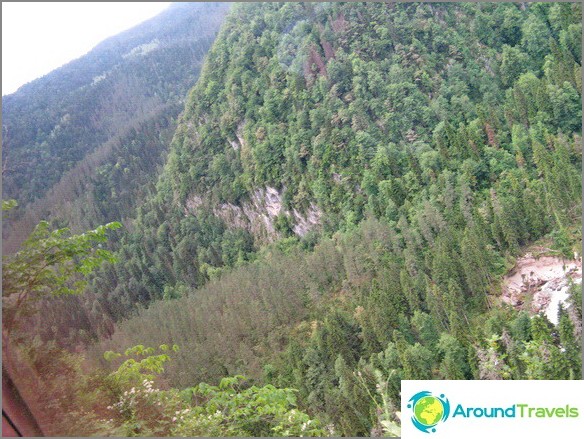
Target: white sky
[(39, 37)]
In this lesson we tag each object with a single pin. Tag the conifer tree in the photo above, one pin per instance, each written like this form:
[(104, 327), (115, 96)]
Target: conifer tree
[(570, 346), (454, 364)]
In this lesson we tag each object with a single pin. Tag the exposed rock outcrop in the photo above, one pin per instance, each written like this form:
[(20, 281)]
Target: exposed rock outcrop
[(259, 213)]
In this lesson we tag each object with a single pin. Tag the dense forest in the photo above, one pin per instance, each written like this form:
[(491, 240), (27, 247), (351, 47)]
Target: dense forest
[(345, 190), (86, 140)]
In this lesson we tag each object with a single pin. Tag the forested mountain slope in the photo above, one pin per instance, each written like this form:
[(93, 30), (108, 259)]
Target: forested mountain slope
[(420, 146), (344, 191), (440, 121), (84, 141)]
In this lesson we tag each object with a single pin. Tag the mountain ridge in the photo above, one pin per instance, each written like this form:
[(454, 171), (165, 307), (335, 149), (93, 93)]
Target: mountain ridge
[(53, 123), (438, 143), (72, 97)]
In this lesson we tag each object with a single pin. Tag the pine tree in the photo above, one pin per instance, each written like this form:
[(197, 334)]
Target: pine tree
[(416, 360), (544, 360), (570, 346), (477, 264), (455, 309), (409, 290), (505, 222), (454, 364), (426, 330), (435, 303), (352, 408)]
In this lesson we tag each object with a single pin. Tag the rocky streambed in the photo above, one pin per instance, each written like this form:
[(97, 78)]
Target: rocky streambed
[(540, 284)]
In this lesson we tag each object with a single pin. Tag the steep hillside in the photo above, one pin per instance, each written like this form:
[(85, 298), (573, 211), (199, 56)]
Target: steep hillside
[(345, 191), (67, 135), (419, 146), (309, 118)]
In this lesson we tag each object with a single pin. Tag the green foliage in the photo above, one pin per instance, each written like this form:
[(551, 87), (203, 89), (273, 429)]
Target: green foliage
[(435, 142), (283, 225), (428, 179), (575, 299), (570, 345), (51, 262), (54, 123), (365, 123), (133, 372), (543, 358), (234, 408), (454, 365), (513, 63), (8, 204)]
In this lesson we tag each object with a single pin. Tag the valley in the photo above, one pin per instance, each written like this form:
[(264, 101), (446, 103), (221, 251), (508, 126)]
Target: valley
[(256, 219)]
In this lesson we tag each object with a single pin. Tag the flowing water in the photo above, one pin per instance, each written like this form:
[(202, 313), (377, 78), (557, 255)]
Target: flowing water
[(541, 284)]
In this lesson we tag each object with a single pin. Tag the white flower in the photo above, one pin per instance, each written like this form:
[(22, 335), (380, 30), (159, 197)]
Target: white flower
[(174, 419)]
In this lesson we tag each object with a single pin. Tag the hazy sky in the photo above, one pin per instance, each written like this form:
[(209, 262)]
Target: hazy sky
[(40, 37)]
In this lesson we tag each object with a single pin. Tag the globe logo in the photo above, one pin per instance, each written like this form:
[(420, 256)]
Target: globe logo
[(428, 410)]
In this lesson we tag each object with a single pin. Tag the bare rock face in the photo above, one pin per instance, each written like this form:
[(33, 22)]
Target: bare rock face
[(231, 214), (193, 203), (271, 200), (308, 221), (258, 215), (239, 135)]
